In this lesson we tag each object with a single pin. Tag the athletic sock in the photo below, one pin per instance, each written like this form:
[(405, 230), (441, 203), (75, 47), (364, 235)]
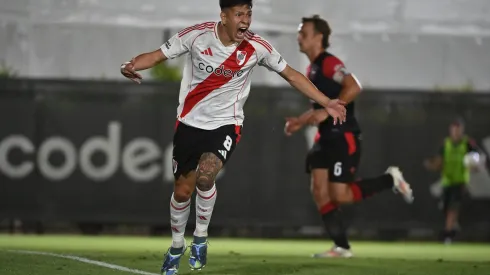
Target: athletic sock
[(179, 214), (367, 187), (205, 201), (332, 220), (449, 234)]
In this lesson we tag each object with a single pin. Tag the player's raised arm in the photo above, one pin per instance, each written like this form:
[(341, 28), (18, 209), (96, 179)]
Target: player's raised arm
[(176, 46), (141, 62), (272, 60), (334, 107)]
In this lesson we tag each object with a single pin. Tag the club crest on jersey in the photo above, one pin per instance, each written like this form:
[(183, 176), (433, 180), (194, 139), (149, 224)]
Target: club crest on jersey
[(240, 57)]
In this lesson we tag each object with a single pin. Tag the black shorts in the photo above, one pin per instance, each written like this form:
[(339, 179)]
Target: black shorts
[(190, 143), (340, 155), (452, 196)]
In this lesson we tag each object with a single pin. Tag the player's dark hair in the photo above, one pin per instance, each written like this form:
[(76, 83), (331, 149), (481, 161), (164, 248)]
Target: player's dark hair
[(458, 121), (321, 26), (232, 3)]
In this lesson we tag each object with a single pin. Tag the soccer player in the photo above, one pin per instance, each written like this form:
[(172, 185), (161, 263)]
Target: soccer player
[(220, 57), (334, 157), (455, 174)]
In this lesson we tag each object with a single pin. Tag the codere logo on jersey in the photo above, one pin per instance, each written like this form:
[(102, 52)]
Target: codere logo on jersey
[(221, 70)]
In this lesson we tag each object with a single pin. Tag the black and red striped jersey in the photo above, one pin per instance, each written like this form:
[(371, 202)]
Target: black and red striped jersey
[(327, 73)]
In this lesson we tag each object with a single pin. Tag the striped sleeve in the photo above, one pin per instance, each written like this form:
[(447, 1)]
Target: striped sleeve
[(181, 42), (269, 57)]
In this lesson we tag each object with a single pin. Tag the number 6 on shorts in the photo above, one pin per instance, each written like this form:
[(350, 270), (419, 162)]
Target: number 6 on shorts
[(337, 169)]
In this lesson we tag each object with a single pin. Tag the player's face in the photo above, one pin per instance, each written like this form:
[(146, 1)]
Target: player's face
[(308, 39), (237, 20), (456, 131)]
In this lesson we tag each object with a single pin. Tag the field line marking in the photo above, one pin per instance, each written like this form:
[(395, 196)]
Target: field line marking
[(85, 260)]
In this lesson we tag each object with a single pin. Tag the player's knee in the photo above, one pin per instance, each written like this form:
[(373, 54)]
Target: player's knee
[(183, 191), (339, 193), (182, 194), (204, 183), (320, 194), (335, 198), (317, 192)]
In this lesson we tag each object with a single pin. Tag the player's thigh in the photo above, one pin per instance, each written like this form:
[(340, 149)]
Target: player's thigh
[(345, 156), (453, 197), (186, 151), (217, 149), (316, 165), (317, 157), (319, 185)]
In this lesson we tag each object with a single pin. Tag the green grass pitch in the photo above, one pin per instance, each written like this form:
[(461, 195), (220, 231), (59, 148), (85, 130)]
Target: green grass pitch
[(239, 257)]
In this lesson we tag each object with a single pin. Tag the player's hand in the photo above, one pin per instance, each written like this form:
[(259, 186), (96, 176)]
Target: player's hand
[(127, 69), (336, 109), (292, 125)]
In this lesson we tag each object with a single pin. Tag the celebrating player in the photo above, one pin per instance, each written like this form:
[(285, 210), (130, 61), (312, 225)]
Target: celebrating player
[(220, 57), (334, 157)]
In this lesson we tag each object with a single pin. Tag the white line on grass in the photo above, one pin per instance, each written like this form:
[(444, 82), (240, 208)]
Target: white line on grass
[(85, 260)]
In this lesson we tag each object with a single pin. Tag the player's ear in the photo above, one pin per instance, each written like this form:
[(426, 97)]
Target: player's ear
[(319, 38), (222, 15)]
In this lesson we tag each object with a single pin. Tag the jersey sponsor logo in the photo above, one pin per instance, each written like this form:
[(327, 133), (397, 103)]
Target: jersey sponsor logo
[(141, 159), (221, 70)]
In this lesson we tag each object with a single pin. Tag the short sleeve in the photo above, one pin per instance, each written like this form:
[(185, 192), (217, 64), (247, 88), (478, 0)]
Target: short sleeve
[(334, 68), (269, 57), (175, 47), (181, 42)]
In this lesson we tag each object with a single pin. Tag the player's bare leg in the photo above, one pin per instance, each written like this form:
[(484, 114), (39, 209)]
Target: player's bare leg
[(344, 193), (208, 168), (319, 187), (331, 215), (180, 205)]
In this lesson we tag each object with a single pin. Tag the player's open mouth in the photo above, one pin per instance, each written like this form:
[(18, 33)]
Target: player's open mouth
[(241, 32)]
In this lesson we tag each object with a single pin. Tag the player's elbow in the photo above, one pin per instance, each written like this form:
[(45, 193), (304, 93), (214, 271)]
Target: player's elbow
[(353, 84)]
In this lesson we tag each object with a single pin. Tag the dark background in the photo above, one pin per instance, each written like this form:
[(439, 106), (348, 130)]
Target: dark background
[(263, 191)]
